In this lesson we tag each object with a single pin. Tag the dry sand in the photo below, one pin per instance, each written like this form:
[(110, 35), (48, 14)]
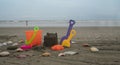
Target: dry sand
[(106, 39)]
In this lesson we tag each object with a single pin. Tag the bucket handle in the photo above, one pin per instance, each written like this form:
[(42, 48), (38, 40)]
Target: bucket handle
[(27, 42)]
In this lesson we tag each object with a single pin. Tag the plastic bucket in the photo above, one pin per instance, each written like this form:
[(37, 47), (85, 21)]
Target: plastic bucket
[(37, 40)]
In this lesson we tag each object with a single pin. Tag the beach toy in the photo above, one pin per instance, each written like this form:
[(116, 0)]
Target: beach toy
[(57, 47), (25, 47), (71, 23), (33, 37), (66, 42), (50, 39)]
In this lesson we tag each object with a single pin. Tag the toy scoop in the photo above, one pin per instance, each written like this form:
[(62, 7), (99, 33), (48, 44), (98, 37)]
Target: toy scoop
[(66, 42), (71, 23)]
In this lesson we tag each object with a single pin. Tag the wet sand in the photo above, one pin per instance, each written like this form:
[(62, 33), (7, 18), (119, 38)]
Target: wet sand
[(106, 39)]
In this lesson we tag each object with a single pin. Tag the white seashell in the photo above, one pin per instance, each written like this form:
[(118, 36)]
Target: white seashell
[(61, 54), (19, 50), (9, 42), (21, 41), (4, 43), (70, 53), (4, 53), (73, 42), (94, 49), (15, 44)]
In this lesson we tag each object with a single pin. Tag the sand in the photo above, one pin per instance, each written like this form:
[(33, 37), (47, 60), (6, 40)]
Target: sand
[(106, 39)]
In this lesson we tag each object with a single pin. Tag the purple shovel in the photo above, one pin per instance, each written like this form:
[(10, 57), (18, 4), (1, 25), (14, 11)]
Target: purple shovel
[(71, 23)]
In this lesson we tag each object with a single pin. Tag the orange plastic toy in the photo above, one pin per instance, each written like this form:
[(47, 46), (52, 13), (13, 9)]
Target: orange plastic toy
[(57, 47), (33, 37)]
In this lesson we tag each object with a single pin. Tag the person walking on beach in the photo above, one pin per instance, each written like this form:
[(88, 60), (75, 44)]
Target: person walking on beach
[(26, 23)]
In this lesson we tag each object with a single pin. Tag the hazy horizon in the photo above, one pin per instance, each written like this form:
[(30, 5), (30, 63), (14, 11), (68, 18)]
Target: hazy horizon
[(60, 23), (60, 9)]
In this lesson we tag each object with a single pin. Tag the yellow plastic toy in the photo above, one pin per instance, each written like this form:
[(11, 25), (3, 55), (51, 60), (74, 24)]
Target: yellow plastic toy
[(66, 42)]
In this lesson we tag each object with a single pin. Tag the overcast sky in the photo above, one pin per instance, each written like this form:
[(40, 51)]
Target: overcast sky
[(59, 9)]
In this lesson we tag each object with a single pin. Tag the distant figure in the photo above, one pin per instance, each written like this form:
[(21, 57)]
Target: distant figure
[(26, 23)]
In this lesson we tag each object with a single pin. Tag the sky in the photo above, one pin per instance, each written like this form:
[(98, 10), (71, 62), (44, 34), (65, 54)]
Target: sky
[(59, 9)]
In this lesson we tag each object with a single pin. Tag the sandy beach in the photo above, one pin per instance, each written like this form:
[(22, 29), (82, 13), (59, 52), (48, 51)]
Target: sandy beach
[(106, 39)]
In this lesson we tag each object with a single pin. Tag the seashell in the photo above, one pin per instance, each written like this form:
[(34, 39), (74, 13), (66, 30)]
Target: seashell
[(73, 42), (94, 49), (46, 54), (22, 56), (15, 44), (4, 53), (19, 50), (86, 45), (9, 42), (70, 53), (4, 43), (21, 41), (61, 54)]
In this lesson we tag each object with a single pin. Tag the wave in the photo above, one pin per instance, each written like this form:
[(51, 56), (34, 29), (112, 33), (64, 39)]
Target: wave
[(58, 23)]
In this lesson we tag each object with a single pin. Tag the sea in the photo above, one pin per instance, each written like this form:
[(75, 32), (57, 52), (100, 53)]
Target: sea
[(59, 23)]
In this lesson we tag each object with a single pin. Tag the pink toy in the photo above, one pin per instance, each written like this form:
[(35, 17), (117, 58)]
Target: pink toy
[(25, 47)]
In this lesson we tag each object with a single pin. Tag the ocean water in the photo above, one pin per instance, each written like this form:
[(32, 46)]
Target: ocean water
[(58, 23)]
